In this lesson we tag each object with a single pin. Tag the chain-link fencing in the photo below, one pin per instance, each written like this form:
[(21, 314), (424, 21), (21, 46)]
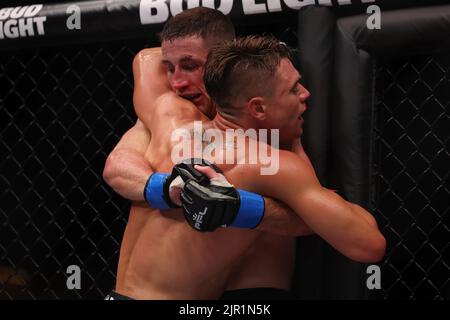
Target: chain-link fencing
[(411, 171)]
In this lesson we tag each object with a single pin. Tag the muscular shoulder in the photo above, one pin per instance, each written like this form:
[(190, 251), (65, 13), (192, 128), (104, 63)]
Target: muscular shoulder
[(292, 162), (280, 173)]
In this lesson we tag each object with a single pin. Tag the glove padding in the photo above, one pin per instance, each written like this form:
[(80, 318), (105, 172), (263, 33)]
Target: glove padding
[(163, 190), (212, 203), (181, 173), (208, 207), (207, 203)]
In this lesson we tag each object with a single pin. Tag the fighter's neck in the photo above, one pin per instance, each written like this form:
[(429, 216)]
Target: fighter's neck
[(223, 123)]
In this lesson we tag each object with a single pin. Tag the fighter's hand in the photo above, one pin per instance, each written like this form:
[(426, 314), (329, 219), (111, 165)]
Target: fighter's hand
[(215, 202), (162, 190), (211, 203), (181, 173)]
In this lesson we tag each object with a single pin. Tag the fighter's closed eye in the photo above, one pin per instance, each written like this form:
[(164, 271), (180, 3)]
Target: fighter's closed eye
[(169, 67), (190, 66), (296, 88)]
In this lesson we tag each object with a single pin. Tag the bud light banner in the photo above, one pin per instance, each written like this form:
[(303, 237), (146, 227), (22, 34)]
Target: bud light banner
[(112, 19)]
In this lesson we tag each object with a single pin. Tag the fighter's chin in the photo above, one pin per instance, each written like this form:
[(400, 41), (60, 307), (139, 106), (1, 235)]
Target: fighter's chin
[(297, 132)]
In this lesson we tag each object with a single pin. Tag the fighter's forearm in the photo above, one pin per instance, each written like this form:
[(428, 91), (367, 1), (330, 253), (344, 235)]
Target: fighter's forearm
[(280, 219), (366, 215), (127, 173)]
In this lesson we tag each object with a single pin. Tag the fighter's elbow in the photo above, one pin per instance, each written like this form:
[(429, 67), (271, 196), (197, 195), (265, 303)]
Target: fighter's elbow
[(379, 248), (373, 251), (110, 172)]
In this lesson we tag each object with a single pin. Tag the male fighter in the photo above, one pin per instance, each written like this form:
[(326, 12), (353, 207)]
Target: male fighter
[(347, 227), (267, 263)]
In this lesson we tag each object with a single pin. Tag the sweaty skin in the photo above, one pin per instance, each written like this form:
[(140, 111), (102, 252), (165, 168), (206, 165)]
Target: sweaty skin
[(163, 258)]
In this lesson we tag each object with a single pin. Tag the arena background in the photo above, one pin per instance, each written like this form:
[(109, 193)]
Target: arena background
[(66, 99)]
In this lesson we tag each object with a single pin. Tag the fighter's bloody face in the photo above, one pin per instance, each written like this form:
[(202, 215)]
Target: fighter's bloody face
[(184, 59), (285, 105)]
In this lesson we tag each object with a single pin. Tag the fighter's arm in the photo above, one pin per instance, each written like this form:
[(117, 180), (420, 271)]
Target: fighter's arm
[(346, 226), (282, 220), (150, 81), (150, 84), (155, 103), (278, 217), (126, 169), (298, 149)]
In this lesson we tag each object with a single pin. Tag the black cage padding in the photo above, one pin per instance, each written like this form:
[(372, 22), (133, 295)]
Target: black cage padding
[(339, 60), (316, 48)]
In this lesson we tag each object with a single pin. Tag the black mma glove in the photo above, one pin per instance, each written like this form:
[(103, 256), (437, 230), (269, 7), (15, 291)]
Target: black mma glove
[(159, 191), (209, 204)]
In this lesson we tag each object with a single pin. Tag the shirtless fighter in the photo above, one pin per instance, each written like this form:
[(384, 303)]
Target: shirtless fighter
[(347, 227), (267, 263)]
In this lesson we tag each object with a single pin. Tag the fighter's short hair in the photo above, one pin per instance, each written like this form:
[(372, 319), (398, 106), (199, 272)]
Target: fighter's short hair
[(242, 68), (202, 22)]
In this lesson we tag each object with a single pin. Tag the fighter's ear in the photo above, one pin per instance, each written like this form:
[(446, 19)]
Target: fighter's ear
[(256, 108)]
